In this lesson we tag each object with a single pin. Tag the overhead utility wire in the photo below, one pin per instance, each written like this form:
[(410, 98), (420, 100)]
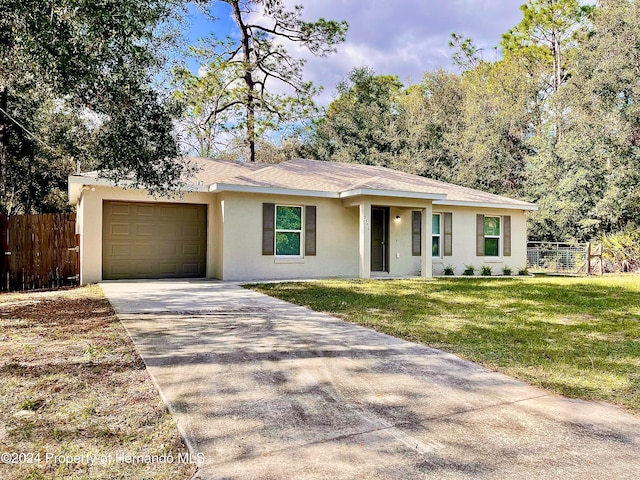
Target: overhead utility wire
[(26, 130)]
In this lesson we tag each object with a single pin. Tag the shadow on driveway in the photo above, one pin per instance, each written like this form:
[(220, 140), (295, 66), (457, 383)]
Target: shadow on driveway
[(266, 389)]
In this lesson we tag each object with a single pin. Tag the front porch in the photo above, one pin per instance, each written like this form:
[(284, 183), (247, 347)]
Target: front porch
[(394, 236)]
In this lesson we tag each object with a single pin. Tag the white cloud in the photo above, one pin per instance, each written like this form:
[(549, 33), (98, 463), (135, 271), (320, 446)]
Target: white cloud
[(402, 37), (405, 37)]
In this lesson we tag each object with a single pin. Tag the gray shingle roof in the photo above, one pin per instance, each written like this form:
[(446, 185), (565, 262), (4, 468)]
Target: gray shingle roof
[(325, 179), (333, 177)]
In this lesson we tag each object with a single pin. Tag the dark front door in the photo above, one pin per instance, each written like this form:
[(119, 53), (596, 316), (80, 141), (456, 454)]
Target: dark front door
[(379, 239)]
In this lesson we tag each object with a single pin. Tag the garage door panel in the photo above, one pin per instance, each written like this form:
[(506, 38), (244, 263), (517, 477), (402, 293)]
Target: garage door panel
[(168, 269), (166, 250), (168, 230), (153, 240), (191, 232), (121, 209), (192, 213), (144, 210), (170, 211), (120, 250), (191, 250), (191, 269), (143, 269), (117, 268), (143, 250), (143, 229), (120, 229)]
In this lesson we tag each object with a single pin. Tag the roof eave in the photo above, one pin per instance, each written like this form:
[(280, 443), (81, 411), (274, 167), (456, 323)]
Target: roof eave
[(77, 183), (227, 187), (510, 206), (359, 192)]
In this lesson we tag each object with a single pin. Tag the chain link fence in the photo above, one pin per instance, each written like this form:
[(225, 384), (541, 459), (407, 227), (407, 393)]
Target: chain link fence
[(556, 257)]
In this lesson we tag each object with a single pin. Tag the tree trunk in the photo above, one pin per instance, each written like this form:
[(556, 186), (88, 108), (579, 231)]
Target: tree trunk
[(4, 146), (555, 54), (251, 127), (247, 49), (30, 190)]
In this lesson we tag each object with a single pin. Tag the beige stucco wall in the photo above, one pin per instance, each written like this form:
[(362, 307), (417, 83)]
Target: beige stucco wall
[(89, 225), (464, 240), (401, 261), (338, 244), (336, 240), (234, 236)]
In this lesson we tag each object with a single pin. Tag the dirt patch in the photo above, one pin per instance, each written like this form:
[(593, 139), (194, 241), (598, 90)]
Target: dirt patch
[(75, 398)]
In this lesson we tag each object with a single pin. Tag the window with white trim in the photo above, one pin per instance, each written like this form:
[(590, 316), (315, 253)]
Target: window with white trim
[(436, 237), (492, 236), (288, 237)]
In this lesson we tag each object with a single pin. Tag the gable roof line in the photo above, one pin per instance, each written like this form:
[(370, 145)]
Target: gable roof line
[(313, 178), (360, 183)]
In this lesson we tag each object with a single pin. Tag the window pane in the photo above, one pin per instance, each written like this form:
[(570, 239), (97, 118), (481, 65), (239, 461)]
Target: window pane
[(492, 226), (436, 224), (491, 247), (287, 243), (435, 246), (289, 218)]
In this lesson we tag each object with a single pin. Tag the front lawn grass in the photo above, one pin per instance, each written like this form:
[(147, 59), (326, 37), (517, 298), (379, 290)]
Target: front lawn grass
[(72, 384), (579, 337)]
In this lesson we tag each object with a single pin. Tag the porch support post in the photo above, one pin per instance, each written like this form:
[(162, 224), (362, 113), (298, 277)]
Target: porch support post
[(364, 269), (427, 259)]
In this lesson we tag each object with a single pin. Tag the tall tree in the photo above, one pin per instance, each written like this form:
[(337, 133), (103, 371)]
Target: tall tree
[(209, 105), (357, 125), (547, 32), (428, 116), (492, 147), (546, 42), (258, 59), (93, 61), (595, 187), (466, 54)]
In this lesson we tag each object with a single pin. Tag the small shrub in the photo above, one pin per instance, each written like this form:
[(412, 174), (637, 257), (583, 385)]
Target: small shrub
[(95, 351), (469, 270), (524, 271), (506, 271), (449, 270), (486, 270), (621, 250), (31, 405)]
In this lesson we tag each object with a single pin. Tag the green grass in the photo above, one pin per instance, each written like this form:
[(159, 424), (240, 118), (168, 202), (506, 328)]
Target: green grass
[(579, 337)]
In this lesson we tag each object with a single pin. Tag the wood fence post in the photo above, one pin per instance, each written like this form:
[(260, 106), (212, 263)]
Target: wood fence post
[(589, 258), (4, 279), (78, 257), (600, 255)]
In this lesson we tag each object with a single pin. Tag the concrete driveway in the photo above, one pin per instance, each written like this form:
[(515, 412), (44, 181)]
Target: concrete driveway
[(267, 390)]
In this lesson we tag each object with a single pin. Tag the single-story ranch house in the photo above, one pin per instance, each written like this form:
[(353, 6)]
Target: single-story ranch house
[(297, 219)]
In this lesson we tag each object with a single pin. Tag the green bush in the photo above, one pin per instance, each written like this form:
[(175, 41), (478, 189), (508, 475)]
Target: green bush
[(449, 270), (486, 270), (524, 271), (621, 250), (506, 271), (469, 270)]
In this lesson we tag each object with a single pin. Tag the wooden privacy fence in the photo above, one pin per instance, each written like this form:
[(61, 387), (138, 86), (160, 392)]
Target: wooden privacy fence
[(39, 251)]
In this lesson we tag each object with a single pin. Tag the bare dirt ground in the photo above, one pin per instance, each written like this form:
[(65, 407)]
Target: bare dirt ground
[(75, 398)]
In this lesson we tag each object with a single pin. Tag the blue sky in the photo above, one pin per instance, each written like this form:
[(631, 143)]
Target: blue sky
[(402, 37)]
